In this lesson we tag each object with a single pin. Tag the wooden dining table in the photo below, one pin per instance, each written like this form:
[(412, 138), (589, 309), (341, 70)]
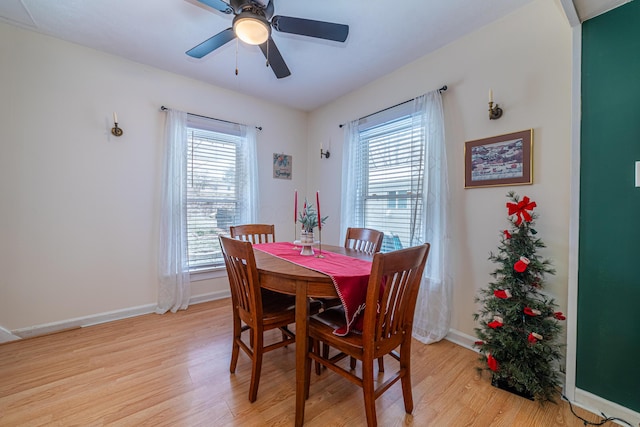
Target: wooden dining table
[(280, 275)]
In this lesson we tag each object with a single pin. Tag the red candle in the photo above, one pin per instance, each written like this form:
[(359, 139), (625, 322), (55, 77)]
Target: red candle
[(318, 208), (295, 207)]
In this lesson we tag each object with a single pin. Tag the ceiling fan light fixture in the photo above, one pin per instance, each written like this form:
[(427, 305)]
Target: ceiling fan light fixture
[(251, 29)]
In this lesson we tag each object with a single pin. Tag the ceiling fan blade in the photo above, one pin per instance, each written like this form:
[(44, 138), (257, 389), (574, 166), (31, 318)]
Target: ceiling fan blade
[(208, 46), (217, 5), (310, 28), (274, 59)]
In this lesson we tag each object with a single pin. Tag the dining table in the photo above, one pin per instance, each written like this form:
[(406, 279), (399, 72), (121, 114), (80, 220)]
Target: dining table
[(281, 275)]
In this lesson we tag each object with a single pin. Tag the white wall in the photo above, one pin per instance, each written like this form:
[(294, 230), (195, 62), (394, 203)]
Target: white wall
[(526, 59), (78, 206)]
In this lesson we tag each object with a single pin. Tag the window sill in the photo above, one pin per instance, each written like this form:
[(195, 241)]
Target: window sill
[(207, 273)]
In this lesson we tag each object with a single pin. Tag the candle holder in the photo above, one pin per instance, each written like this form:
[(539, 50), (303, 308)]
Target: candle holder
[(320, 242), (116, 131), (494, 112)]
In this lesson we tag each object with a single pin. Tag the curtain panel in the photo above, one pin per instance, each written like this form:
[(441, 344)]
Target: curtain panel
[(174, 287), (428, 217)]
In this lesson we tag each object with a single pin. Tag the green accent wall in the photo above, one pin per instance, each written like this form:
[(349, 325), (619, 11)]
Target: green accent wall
[(608, 341)]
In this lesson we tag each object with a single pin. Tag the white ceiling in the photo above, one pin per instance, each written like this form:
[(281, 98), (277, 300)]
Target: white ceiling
[(384, 36)]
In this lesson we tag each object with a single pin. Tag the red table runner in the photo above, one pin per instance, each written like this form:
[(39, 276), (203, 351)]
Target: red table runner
[(349, 275)]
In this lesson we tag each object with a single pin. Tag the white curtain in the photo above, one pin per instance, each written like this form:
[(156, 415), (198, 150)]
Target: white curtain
[(350, 158), (250, 196), (433, 309), (174, 287)]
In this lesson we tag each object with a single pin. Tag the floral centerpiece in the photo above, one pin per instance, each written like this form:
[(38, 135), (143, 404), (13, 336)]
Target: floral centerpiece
[(309, 218)]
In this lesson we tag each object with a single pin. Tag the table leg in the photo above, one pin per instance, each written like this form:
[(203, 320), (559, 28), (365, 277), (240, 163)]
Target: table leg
[(302, 307)]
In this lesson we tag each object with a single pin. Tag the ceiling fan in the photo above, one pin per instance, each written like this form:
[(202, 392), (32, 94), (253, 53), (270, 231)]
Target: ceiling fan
[(252, 24)]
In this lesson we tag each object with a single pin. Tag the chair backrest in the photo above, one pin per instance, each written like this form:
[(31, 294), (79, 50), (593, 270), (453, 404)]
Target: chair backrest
[(364, 239), (254, 233), (392, 292), (243, 278)]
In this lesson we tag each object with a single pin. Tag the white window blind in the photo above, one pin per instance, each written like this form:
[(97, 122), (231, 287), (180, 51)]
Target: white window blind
[(390, 171), (214, 170)]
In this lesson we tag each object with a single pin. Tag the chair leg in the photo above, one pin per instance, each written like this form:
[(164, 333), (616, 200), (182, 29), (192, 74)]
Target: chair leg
[(313, 345), (380, 364), (369, 393), (256, 365), (352, 363), (316, 350), (235, 349), (405, 362)]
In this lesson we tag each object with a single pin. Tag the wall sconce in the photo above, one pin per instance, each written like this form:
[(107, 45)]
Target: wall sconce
[(494, 112), (115, 130), (325, 154)]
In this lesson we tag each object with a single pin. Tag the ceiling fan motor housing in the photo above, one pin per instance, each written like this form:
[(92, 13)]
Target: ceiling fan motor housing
[(253, 6)]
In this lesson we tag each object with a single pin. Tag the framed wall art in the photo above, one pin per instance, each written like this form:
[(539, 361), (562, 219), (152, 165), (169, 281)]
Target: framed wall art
[(499, 160), (282, 166)]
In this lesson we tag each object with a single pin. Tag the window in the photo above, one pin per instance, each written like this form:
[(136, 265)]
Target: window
[(217, 175), (395, 180), (388, 162)]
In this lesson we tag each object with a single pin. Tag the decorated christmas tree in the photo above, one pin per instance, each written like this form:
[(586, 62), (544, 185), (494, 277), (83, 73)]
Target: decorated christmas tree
[(518, 323)]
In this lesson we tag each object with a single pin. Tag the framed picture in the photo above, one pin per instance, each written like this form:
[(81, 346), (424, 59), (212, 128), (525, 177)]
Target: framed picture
[(282, 166), (499, 160)]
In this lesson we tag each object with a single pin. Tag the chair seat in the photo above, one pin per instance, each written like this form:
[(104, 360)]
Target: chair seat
[(327, 321), (274, 304)]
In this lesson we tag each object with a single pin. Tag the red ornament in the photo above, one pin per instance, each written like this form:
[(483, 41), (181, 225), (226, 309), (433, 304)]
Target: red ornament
[(502, 293), (479, 343), (492, 362), (507, 235), (520, 210), (558, 315), (531, 311), (521, 265), (533, 337), (495, 324)]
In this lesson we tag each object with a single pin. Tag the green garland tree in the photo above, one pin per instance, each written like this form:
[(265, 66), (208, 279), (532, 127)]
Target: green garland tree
[(518, 323)]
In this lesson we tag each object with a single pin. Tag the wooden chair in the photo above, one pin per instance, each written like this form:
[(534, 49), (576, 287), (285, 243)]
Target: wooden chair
[(259, 309), (387, 325), (254, 233), (364, 239)]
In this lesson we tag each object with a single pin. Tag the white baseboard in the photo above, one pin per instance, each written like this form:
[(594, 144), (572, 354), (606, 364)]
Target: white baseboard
[(461, 339), (6, 336), (95, 319), (599, 406)]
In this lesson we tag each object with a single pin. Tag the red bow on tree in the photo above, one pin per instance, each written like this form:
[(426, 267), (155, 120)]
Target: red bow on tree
[(520, 209)]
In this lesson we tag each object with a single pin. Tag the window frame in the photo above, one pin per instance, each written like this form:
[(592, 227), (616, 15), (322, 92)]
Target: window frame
[(217, 132), (399, 120)]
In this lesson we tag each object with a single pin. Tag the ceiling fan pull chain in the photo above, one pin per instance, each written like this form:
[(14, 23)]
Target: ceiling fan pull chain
[(267, 64), (237, 42)]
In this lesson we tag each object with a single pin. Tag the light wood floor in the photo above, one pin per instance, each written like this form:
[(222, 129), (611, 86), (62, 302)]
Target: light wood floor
[(174, 370)]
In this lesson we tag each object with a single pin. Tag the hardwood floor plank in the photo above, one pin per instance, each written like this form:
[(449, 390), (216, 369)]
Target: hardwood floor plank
[(173, 370)]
